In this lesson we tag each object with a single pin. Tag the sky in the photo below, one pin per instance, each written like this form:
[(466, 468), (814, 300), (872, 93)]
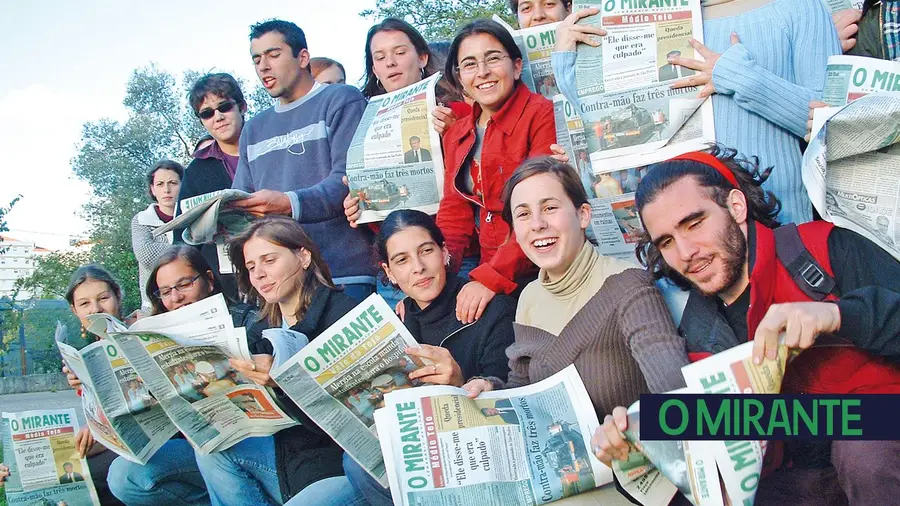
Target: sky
[(67, 63)]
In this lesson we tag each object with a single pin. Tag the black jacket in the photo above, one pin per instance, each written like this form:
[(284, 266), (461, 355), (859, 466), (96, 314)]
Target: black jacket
[(479, 348), (304, 454), (205, 175)]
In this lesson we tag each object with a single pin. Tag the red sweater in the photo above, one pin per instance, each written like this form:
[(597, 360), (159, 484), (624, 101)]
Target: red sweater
[(521, 129)]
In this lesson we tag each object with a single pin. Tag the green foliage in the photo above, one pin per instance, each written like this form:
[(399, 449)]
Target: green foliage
[(40, 328), (51, 274), (4, 227), (439, 19)]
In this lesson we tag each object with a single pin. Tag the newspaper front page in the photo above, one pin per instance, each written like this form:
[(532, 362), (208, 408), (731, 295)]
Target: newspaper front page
[(205, 217), (529, 445), (395, 159), (119, 409), (536, 44), (628, 122), (39, 448), (851, 168), (342, 377)]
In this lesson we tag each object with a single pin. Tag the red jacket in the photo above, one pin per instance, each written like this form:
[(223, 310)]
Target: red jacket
[(521, 129)]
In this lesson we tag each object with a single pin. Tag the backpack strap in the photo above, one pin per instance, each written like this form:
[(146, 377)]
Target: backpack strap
[(809, 276)]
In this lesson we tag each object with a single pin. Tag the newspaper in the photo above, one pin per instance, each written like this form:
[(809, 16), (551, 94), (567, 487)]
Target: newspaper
[(632, 117), (183, 359), (853, 77), (536, 44), (851, 166), (839, 5), (39, 448), (341, 377), (529, 445), (395, 159), (120, 411)]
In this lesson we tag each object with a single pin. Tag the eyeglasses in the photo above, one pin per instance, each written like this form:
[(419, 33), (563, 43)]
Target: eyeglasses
[(181, 287), (222, 108), (471, 66)]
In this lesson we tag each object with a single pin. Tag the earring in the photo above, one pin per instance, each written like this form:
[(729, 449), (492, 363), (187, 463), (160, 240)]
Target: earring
[(378, 83), (447, 263), (83, 333), (423, 72)]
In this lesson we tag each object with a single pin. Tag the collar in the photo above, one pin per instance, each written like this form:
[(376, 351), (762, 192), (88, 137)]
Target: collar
[(444, 304), (576, 275), (310, 322), (211, 150), (505, 119), (148, 217), (316, 88)]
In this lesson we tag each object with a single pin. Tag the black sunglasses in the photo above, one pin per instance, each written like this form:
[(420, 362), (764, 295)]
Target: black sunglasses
[(222, 108)]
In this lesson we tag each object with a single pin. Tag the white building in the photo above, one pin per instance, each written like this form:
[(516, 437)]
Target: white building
[(18, 261)]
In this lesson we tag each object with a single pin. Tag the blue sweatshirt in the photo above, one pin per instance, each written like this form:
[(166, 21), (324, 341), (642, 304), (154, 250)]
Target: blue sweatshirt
[(763, 87), (301, 149)]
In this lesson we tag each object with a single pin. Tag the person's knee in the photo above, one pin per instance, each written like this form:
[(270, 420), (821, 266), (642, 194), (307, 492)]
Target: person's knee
[(123, 480)]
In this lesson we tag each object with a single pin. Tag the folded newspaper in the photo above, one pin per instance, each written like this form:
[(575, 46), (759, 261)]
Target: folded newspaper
[(342, 377), (536, 44), (206, 219), (182, 357), (850, 166), (395, 159), (44, 465), (528, 445)]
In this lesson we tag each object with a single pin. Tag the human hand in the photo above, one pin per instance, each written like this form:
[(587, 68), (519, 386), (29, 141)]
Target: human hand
[(264, 202), (846, 22), (256, 371), (443, 118), (4, 472), (477, 386), (559, 153), (351, 206), (135, 315), (609, 440), (704, 69), (444, 369), (569, 33), (84, 440), (801, 323), (813, 105), (73, 380), (400, 309), (471, 301)]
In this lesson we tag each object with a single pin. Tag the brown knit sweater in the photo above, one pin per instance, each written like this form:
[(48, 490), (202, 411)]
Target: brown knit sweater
[(621, 336)]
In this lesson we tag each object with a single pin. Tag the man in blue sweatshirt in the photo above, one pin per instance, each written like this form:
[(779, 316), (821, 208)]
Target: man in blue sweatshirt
[(293, 155)]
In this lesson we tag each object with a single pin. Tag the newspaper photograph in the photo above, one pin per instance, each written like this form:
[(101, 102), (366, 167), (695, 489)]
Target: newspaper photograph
[(632, 117), (341, 378), (206, 219), (45, 468), (850, 169), (395, 159), (536, 44), (119, 409), (528, 445)]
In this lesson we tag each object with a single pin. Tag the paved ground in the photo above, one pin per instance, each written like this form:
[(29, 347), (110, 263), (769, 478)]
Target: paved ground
[(42, 400)]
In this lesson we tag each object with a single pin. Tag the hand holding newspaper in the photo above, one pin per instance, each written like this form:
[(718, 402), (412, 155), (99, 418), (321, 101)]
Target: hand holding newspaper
[(528, 445), (44, 465), (205, 218), (342, 376)]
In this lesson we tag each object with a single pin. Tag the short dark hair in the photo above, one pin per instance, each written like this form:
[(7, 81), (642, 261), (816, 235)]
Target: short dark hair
[(293, 35), (479, 26), (415, 138), (219, 84), (164, 165), (91, 272), (514, 5), (762, 205), (194, 259), (674, 51), (398, 221), (371, 87)]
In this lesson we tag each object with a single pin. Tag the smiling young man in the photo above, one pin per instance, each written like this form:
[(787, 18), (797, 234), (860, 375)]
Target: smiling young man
[(294, 154), (711, 229), (539, 12)]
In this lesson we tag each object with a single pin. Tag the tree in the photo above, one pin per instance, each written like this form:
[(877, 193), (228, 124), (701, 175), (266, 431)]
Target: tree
[(4, 227), (439, 19)]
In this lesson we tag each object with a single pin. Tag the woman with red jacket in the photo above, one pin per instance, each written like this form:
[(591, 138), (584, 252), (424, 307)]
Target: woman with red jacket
[(508, 124)]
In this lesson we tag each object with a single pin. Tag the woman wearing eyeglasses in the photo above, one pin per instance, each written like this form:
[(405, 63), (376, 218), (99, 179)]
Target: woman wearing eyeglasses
[(508, 124), (164, 182)]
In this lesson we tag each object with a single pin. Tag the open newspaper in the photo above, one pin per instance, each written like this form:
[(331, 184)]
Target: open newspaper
[(39, 448), (850, 167), (528, 445), (183, 359), (342, 377), (536, 44), (395, 159), (120, 411)]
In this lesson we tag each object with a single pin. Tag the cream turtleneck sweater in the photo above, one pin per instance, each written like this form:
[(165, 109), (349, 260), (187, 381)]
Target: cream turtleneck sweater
[(549, 305)]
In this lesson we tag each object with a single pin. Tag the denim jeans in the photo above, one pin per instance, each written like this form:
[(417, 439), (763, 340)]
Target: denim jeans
[(390, 294), (334, 491), (171, 476), (468, 263), (244, 474), (364, 484)]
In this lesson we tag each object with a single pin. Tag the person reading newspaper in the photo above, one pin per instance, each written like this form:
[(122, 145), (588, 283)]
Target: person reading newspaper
[(278, 265), (760, 81), (413, 255), (92, 290), (711, 230), (602, 314)]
